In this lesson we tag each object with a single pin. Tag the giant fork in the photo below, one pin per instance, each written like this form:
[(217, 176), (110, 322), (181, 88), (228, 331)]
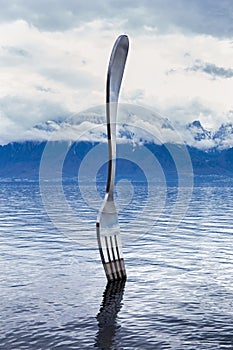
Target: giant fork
[(107, 226)]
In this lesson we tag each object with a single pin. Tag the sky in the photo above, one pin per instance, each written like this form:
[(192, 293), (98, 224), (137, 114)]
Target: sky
[(54, 56)]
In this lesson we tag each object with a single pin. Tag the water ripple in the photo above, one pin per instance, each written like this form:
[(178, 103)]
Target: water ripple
[(178, 295)]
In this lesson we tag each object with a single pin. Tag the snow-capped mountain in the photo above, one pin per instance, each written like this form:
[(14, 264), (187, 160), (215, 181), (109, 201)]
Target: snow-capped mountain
[(198, 131), (48, 126), (222, 138), (161, 131)]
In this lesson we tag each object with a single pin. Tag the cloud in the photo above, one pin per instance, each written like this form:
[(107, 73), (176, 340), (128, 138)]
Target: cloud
[(211, 69), (19, 115), (182, 95), (57, 15), (43, 89), (71, 78), (212, 17), (15, 51), (54, 57), (68, 70), (136, 125), (139, 123), (28, 111)]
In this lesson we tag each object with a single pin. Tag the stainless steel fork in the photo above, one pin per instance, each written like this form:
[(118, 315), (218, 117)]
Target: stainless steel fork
[(107, 226)]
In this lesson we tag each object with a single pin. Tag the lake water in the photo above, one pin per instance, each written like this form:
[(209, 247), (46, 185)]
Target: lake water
[(179, 290)]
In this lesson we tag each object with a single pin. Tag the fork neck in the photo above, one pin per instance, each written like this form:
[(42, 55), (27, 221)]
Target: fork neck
[(111, 111)]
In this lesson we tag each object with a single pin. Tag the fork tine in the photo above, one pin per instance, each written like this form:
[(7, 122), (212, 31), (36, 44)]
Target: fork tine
[(103, 254), (110, 259), (111, 256), (115, 259), (120, 256)]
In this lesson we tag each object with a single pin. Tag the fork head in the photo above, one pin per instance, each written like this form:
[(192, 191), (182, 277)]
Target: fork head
[(109, 241)]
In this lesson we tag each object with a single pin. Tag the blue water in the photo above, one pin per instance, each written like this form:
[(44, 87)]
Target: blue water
[(179, 291)]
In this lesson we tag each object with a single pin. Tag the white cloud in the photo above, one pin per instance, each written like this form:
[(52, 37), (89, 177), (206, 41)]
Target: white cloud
[(56, 68), (212, 17), (157, 54), (135, 124)]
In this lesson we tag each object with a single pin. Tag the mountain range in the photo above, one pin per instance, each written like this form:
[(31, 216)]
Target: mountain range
[(21, 160), (192, 134)]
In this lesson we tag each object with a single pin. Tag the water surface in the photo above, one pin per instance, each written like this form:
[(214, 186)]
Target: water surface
[(178, 294)]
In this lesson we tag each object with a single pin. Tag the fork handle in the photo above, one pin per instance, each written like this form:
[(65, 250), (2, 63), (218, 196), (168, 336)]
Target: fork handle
[(114, 78)]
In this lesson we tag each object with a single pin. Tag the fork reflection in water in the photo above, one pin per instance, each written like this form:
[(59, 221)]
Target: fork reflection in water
[(107, 315)]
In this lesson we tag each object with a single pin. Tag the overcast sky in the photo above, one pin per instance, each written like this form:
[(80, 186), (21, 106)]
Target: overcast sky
[(54, 56)]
